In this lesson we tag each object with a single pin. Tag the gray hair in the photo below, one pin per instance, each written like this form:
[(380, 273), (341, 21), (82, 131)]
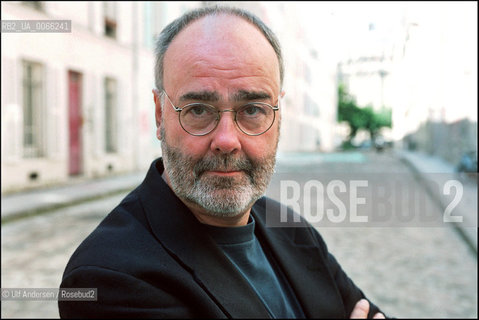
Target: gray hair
[(170, 31)]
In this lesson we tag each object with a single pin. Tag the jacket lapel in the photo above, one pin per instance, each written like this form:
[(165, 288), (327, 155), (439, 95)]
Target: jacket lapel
[(186, 239), (301, 262)]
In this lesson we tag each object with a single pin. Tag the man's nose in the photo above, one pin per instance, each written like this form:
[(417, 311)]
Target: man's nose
[(226, 135)]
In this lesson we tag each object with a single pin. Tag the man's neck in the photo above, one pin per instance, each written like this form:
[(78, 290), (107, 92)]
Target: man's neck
[(205, 218), (236, 221)]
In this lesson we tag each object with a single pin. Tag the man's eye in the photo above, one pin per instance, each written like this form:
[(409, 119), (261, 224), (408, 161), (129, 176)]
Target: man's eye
[(199, 110), (253, 110)]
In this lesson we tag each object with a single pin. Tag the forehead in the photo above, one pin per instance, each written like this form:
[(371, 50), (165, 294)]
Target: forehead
[(221, 50)]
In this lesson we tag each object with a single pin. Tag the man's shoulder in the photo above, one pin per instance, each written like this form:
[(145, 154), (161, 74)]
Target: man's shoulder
[(120, 236)]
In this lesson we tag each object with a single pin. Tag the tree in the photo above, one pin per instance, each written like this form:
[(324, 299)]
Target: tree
[(360, 117), (377, 120)]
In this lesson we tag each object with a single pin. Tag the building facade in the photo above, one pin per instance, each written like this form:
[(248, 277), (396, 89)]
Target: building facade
[(310, 103), (79, 105)]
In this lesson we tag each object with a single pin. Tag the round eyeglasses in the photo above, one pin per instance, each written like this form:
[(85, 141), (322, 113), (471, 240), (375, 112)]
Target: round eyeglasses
[(199, 119)]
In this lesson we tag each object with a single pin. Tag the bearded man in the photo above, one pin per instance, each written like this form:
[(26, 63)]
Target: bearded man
[(191, 241)]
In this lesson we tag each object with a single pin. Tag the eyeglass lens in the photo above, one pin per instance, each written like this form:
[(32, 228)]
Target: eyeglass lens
[(252, 118)]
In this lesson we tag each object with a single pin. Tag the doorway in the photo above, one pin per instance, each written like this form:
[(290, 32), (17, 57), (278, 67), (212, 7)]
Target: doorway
[(75, 121)]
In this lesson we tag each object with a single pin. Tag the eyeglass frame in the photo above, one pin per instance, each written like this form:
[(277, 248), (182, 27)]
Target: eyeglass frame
[(218, 114)]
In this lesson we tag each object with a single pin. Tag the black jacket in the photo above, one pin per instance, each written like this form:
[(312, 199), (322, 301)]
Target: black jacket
[(151, 258)]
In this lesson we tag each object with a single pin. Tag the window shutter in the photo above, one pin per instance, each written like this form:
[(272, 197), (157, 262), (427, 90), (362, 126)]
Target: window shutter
[(55, 130)]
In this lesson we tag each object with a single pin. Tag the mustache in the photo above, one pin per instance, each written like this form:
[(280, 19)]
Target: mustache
[(225, 162)]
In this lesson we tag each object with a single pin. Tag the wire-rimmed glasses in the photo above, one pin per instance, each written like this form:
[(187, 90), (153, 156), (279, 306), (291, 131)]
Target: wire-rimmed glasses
[(199, 119)]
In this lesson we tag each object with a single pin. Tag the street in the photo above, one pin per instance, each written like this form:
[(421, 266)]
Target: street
[(409, 268)]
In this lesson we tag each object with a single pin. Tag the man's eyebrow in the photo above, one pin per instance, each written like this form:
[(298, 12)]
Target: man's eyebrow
[(205, 96), (243, 95)]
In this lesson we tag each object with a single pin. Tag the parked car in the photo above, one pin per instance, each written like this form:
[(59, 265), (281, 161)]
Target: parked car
[(468, 162), (379, 143)]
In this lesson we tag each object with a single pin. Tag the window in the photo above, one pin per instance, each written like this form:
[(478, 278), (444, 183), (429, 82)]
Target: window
[(109, 9), (147, 24), (32, 109), (311, 108), (155, 14), (37, 5), (111, 108)]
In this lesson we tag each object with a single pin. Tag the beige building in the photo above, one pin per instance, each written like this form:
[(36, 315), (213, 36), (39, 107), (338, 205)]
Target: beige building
[(79, 105)]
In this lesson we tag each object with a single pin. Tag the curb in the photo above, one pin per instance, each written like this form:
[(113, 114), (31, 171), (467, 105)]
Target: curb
[(44, 209), (464, 234), (27, 204)]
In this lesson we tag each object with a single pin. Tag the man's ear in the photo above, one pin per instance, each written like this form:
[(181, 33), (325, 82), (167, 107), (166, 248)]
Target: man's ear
[(158, 112)]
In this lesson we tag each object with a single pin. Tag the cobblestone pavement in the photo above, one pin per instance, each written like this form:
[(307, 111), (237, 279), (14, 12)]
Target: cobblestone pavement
[(36, 250), (412, 271), (409, 272)]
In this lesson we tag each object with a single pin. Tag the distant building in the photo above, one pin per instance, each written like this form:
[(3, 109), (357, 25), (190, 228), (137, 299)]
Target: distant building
[(425, 69), (435, 66), (368, 79)]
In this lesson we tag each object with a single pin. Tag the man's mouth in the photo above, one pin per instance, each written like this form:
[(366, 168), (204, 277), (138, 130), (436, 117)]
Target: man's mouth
[(227, 173)]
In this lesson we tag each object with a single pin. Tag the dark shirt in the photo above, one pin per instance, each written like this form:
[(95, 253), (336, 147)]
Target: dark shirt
[(242, 247)]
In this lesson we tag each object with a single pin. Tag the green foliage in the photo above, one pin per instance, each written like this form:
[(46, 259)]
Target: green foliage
[(360, 117), (347, 145), (349, 112)]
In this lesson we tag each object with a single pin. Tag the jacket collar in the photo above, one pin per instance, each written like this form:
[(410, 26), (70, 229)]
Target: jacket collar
[(298, 254)]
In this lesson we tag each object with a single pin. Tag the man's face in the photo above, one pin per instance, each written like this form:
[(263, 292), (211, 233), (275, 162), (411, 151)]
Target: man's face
[(213, 60)]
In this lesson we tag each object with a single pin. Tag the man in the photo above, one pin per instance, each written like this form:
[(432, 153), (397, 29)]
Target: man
[(191, 241)]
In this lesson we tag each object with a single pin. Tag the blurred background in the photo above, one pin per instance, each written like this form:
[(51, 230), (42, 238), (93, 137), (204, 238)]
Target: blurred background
[(387, 86)]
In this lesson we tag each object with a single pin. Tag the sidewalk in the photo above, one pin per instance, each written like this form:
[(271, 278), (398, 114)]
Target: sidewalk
[(434, 172), (22, 204)]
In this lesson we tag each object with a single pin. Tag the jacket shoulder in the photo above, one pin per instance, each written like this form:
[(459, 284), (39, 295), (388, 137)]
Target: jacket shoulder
[(120, 236)]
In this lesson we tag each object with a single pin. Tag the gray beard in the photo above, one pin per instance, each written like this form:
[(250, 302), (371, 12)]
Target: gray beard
[(218, 196)]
